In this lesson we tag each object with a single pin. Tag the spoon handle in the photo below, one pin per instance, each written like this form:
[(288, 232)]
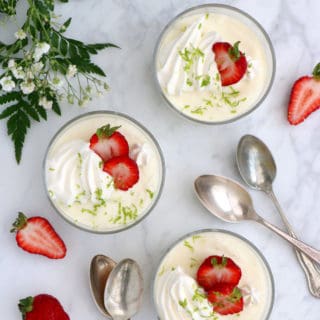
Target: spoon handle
[(300, 245), (311, 271)]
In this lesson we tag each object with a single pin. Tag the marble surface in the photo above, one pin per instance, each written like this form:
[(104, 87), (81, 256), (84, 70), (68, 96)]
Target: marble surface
[(189, 149)]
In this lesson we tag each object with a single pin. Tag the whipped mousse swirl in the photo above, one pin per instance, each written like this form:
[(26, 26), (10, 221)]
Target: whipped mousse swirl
[(75, 175), (189, 64), (179, 297)]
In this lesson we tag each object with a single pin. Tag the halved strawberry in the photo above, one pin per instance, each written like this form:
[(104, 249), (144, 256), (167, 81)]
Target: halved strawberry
[(216, 271), (305, 97), (107, 143), (125, 172), (42, 307), (36, 235), (228, 300), (231, 63)]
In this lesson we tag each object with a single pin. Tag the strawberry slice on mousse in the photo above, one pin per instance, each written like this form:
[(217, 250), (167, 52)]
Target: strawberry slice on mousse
[(226, 299), (108, 143), (231, 62), (216, 271), (124, 170)]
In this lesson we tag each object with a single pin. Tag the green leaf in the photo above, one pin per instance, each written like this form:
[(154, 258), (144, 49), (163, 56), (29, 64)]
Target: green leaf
[(55, 40), (33, 31), (42, 112), (64, 46), (73, 51), (88, 67), (9, 111), (10, 96), (64, 1), (29, 109), (65, 26), (56, 107), (17, 126), (100, 46)]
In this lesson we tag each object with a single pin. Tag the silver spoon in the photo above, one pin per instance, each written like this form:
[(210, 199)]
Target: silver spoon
[(229, 201), (124, 288), (258, 169), (100, 269)]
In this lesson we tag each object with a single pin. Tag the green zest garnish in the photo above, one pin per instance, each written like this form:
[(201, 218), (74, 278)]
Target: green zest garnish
[(106, 131), (316, 71), (189, 82), (52, 169), (189, 56), (207, 15), (85, 210), (198, 295), (195, 237), (183, 303), (79, 158), (163, 270), (193, 262), (205, 81), (188, 245), (125, 214), (150, 193), (199, 110), (199, 26)]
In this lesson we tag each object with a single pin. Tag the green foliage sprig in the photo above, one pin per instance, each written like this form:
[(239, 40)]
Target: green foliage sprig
[(42, 67)]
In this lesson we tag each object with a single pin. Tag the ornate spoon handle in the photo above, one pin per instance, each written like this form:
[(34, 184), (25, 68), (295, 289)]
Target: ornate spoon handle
[(311, 270)]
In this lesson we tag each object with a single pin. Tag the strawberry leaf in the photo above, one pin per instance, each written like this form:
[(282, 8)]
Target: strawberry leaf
[(316, 71)]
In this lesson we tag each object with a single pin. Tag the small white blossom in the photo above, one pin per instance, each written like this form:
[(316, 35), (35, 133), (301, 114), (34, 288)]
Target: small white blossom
[(56, 83), (7, 84), (37, 67), (18, 73), (47, 104), (11, 64), (72, 71), (27, 87), (20, 34), (29, 75), (41, 49)]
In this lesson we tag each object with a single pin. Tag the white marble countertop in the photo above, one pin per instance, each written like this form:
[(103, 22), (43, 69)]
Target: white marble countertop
[(189, 149)]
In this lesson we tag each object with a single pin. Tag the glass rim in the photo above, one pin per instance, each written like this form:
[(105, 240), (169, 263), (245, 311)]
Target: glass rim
[(210, 230), (227, 7), (137, 123)]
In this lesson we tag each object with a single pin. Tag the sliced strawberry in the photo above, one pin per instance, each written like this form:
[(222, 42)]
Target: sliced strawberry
[(36, 235), (42, 307), (217, 270), (231, 63), (228, 300), (125, 172), (108, 143), (305, 97)]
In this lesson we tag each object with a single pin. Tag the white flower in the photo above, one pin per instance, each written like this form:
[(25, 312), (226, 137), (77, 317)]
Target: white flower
[(7, 84), (72, 71), (47, 104), (11, 64), (20, 34), (27, 86), (18, 73), (41, 49), (37, 67), (29, 75), (56, 83)]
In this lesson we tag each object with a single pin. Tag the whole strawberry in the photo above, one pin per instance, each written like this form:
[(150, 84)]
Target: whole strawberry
[(305, 97), (42, 307), (36, 235)]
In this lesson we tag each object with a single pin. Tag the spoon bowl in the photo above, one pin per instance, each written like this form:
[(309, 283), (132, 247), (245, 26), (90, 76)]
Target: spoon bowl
[(123, 291), (255, 163), (230, 202), (224, 198), (100, 269)]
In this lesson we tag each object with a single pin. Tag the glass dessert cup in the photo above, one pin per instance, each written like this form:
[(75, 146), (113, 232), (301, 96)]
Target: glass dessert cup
[(112, 221), (196, 105), (188, 253)]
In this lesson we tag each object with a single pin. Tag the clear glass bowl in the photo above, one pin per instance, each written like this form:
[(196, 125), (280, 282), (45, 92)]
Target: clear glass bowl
[(243, 241), (98, 115), (246, 20)]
